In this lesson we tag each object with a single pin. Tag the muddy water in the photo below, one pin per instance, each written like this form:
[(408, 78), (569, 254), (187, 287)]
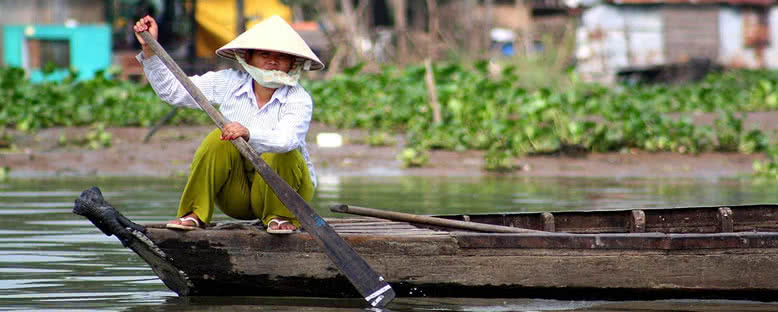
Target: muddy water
[(53, 260)]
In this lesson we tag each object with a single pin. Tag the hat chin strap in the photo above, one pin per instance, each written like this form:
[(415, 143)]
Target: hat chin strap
[(272, 79)]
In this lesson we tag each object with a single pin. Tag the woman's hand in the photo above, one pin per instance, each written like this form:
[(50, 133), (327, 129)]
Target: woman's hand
[(146, 23), (233, 131)]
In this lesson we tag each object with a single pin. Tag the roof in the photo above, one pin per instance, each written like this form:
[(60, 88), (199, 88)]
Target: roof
[(693, 2)]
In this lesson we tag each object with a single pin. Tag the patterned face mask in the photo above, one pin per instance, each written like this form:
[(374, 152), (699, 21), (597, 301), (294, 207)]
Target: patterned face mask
[(273, 79)]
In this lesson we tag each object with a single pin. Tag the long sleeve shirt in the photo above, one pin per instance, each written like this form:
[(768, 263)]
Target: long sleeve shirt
[(279, 126)]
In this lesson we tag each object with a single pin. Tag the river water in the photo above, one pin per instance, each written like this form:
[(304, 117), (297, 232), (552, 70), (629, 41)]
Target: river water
[(53, 260)]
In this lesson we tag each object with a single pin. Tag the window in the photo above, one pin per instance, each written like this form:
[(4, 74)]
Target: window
[(755, 28), (42, 52)]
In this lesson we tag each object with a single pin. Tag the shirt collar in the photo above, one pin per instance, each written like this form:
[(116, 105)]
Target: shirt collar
[(281, 94)]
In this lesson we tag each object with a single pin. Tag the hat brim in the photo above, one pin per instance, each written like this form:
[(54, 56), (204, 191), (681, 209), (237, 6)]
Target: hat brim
[(272, 34)]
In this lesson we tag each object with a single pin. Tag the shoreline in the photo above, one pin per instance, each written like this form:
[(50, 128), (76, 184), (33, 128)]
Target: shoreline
[(170, 151)]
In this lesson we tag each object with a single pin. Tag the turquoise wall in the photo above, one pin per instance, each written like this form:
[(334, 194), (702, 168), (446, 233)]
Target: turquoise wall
[(90, 47)]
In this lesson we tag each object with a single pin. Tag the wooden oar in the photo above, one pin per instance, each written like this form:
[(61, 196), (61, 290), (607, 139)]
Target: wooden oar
[(370, 285), (413, 218)]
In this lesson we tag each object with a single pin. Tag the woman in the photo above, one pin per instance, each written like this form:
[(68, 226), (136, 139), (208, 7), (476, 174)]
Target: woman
[(266, 106)]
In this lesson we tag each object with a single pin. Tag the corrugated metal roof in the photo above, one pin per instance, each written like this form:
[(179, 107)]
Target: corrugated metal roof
[(693, 2)]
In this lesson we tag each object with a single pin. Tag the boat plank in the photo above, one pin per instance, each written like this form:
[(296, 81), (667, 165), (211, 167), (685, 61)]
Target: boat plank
[(720, 269), (657, 241), (382, 223)]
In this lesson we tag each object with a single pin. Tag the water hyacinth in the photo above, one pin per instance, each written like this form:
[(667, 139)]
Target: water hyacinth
[(495, 113), (481, 109)]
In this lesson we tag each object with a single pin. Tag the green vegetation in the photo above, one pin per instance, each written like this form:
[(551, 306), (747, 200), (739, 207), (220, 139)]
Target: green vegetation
[(31, 106), (95, 138), (769, 167), (492, 112), (484, 107)]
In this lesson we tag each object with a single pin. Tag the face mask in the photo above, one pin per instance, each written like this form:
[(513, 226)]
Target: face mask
[(272, 79)]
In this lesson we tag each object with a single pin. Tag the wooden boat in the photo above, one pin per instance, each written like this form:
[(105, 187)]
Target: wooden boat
[(692, 252)]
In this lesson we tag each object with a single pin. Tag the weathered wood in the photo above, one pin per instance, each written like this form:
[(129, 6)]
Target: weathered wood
[(422, 265), (726, 223), (548, 222), (242, 259), (636, 241), (407, 217), (372, 286), (665, 220), (432, 92), (638, 221)]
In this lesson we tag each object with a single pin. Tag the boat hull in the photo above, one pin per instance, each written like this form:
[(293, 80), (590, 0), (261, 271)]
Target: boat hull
[(246, 261), (703, 252)]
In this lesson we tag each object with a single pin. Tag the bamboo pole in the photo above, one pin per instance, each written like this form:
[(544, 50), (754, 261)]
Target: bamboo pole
[(400, 30), (432, 91), (407, 217)]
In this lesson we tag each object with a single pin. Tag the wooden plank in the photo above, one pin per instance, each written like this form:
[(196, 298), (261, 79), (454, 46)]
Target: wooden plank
[(400, 233), (418, 264), (366, 224), (726, 223), (548, 222), (407, 217), (637, 241), (372, 286), (638, 221)]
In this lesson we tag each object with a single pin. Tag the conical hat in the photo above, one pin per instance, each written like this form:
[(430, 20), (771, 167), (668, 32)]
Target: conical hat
[(271, 34)]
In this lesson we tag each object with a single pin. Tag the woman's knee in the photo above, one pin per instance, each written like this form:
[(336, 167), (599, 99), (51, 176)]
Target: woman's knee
[(283, 160), (213, 144), (290, 166)]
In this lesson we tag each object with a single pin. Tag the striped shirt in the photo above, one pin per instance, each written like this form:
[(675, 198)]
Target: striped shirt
[(279, 126)]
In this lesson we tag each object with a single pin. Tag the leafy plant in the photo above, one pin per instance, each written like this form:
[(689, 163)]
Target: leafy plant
[(380, 138), (484, 107), (497, 160), (97, 137), (768, 168), (31, 106), (412, 157)]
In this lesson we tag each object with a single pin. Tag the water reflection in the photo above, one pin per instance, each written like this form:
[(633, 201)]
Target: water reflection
[(51, 259)]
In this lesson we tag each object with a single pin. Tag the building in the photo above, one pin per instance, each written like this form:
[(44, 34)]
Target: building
[(616, 37), (61, 32)]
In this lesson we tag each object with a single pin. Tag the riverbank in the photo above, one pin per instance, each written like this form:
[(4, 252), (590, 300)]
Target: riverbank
[(170, 151)]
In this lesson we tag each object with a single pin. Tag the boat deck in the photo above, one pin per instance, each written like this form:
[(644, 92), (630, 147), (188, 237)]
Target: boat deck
[(373, 226)]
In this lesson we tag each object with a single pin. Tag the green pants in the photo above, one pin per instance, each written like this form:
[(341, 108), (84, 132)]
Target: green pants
[(220, 175)]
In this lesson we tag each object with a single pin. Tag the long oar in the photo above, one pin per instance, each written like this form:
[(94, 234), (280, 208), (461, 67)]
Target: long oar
[(413, 218), (370, 285)]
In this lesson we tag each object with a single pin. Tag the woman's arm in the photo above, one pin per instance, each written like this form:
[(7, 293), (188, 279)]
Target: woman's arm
[(214, 85)]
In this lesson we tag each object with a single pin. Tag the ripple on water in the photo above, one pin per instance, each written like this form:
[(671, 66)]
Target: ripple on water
[(30, 271), (29, 283), (6, 212), (62, 239), (41, 194), (28, 204)]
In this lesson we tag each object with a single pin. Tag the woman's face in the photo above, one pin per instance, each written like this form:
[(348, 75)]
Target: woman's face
[(271, 60)]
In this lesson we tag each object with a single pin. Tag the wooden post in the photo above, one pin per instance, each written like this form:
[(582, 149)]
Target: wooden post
[(432, 91), (524, 31), (470, 27), (638, 221), (488, 23), (351, 27), (240, 18), (432, 7), (400, 30)]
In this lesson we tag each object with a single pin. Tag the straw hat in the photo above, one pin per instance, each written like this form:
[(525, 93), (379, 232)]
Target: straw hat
[(272, 34)]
